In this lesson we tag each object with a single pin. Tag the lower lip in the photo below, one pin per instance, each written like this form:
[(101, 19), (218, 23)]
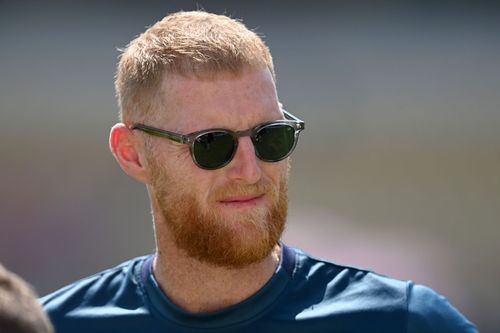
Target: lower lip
[(243, 203)]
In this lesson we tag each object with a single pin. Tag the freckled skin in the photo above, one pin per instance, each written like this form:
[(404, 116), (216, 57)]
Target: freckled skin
[(239, 243), (230, 102)]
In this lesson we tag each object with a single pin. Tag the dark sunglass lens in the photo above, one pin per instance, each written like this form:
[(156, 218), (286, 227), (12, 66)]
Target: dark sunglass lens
[(274, 142), (213, 150)]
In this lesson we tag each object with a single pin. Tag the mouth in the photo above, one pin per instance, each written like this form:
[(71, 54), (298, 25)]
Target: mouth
[(243, 201)]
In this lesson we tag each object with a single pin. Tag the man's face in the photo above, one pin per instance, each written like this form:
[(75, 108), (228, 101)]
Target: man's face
[(232, 216)]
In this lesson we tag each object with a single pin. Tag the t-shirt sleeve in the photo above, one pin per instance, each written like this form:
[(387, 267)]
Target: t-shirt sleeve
[(430, 312)]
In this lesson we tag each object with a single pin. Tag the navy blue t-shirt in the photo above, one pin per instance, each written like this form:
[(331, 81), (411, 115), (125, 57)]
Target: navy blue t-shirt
[(304, 295)]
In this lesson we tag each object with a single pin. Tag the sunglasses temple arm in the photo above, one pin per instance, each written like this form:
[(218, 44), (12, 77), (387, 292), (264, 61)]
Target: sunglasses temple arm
[(162, 133), (292, 117)]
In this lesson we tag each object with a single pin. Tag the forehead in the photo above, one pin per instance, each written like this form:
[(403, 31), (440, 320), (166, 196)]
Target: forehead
[(224, 100)]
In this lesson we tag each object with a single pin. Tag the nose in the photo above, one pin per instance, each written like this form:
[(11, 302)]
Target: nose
[(245, 166)]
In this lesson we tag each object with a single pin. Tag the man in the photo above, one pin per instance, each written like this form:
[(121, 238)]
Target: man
[(203, 129), (19, 310)]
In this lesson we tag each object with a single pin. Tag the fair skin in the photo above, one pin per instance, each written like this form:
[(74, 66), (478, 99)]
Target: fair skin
[(226, 101)]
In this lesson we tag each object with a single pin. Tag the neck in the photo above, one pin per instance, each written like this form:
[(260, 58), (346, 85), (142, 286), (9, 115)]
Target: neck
[(199, 287)]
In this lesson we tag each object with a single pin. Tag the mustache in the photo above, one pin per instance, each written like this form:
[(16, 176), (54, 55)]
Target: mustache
[(242, 190)]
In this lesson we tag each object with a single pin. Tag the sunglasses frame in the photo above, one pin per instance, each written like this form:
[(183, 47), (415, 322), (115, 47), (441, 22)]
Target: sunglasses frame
[(190, 139)]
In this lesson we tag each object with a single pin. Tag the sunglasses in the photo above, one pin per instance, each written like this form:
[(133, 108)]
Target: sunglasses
[(214, 148)]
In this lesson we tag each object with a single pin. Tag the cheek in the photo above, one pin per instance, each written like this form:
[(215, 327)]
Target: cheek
[(196, 181), (276, 172), (175, 161)]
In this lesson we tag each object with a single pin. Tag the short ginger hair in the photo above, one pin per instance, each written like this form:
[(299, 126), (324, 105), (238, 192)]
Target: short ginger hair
[(192, 44)]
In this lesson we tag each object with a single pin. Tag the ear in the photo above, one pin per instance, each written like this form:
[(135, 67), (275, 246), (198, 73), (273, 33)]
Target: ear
[(124, 147)]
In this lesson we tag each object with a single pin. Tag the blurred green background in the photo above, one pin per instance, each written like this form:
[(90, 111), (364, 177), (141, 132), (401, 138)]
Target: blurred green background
[(398, 169)]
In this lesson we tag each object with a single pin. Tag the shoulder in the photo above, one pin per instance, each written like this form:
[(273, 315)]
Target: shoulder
[(430, 312), (113, 288), (345, 279), (347, 292), (352, 287)]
